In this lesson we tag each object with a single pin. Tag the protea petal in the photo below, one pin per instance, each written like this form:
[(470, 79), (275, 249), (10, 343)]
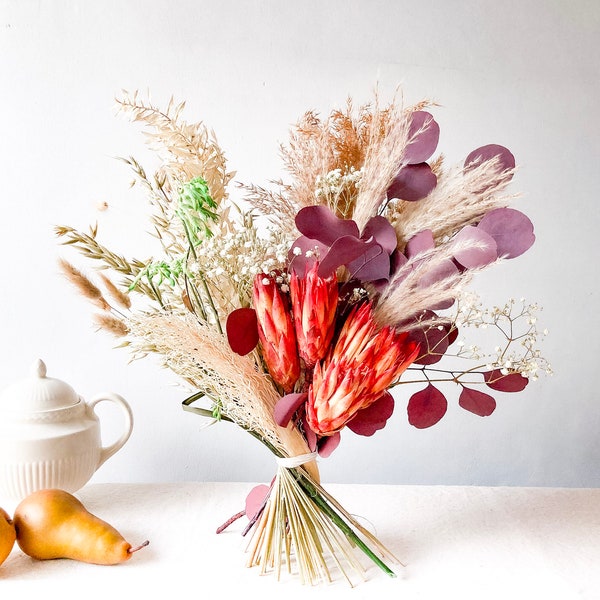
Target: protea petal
[(362, 365), (314, 304), (276, 331)]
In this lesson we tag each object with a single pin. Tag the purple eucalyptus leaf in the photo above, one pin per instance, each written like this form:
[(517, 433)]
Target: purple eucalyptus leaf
[(297, 254), (419, 243), (328, 444), (479, 247), (476, 402), (242, 330), (309, 434), (443, 270), (426, 407), (382, 231), (319, 223), (486, 153), (372, 265), (373, 418), (286, 407), (413, 183), (511, 230), (343, 251), (423, 135)]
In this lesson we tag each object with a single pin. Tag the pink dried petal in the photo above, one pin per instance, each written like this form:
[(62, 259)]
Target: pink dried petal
[(328, 444)]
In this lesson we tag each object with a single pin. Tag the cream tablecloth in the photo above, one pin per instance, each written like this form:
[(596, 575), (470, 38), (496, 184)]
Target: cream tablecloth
[(455, 542)]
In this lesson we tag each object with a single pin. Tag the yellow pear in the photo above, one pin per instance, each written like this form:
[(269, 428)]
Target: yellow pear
[(7, 535), (54, 524)]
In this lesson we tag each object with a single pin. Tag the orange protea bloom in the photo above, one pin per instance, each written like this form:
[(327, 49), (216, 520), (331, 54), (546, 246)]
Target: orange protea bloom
[(314, 301), (276, 331), (362, 365)]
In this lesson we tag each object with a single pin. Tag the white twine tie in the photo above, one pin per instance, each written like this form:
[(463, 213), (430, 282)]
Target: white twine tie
[(292, 462)]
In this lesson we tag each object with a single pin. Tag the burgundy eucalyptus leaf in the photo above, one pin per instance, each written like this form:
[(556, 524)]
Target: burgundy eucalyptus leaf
[(328, 444), (485, 153), (382, 231), (511, 230), (255, 499), (419, 243), (426, 407), (373, 418), (433, 343), (286, 407), (320, 223), (423, 135), (476, 402), (242, 330), (478, 247), (511, 382), (413, 183)]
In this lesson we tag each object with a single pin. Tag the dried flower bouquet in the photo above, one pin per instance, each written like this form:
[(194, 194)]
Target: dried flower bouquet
[(293, 311)]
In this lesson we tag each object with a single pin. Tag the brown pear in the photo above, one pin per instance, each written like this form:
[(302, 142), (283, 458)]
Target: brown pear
[(7, 535), (54, 524)]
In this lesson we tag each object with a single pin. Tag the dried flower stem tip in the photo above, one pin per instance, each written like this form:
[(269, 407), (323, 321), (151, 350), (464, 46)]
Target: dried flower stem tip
[(85, 286)]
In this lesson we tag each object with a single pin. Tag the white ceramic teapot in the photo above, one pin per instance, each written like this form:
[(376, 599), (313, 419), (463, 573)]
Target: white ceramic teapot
[(50, 437)]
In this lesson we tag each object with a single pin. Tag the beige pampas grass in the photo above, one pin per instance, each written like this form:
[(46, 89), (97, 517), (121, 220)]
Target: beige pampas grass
[(111, 324), (120, 297), (203, 357)]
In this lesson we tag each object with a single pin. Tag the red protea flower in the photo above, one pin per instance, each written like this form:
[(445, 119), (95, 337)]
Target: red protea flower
[(314, 302), (361, 366), (276, 331)]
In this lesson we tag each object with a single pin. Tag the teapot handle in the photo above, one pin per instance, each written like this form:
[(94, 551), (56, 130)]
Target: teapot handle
[(107, 451)]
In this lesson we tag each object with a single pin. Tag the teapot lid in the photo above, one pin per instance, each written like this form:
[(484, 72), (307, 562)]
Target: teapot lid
[(37, 393)]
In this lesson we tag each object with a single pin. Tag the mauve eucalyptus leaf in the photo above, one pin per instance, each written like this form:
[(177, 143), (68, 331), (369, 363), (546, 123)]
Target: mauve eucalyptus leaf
[(242, 330), (511, 229), (413, 183), (483, 154), (424, 133), (300, 262), (319, 223), (372, 265), (382, 231), (478, 247), (286, 407), (255, 499), (426, 407), (433, 342), (373, 418), (343, 251), (477, 402), (419, 243), (326, 445)]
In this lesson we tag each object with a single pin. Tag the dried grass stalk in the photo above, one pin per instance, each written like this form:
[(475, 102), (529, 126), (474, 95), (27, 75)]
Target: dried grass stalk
[(83, 283)]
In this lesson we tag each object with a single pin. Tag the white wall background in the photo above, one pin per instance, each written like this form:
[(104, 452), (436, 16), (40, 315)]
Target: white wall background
[(523, 73)]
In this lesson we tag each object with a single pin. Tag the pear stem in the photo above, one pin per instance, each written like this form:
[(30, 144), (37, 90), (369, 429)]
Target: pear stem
[(142, 545)]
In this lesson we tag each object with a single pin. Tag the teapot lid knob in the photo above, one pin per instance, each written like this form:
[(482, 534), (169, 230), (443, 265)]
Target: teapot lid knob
[(38, 369)]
